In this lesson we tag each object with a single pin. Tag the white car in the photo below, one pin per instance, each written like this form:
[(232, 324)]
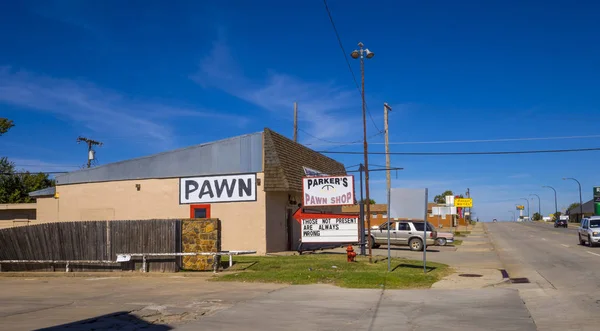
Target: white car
[(589, 231)]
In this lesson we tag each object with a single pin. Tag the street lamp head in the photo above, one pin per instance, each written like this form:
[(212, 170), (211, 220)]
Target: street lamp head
[(355, 54), (564, 179), (369, 53)]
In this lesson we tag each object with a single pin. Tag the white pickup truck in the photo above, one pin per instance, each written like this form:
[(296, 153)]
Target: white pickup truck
[(404, 233)]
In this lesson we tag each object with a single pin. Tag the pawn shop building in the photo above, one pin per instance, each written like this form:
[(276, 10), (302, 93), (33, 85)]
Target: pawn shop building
[(252, 183)]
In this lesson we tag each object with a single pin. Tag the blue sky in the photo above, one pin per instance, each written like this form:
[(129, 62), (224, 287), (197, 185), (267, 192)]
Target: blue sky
[(149, 76)]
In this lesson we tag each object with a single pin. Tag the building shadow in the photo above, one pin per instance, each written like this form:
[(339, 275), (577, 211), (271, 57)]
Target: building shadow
[(122, 320), (413, 266), (402, 249)]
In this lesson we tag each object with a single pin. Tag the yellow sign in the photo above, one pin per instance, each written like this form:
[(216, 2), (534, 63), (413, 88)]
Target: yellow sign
[(520, 207), (463, 202)]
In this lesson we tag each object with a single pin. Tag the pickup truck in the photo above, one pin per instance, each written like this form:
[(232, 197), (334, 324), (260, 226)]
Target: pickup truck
[(404, 233)]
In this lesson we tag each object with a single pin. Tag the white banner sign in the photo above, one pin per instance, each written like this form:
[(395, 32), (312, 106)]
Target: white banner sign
[(209, 189), (330, 230), (328, 191)]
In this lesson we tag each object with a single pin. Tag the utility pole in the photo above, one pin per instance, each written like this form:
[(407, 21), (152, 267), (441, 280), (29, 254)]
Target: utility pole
[(91, 153), (361, 214), (295, 122), (362, 53), (386, 109)]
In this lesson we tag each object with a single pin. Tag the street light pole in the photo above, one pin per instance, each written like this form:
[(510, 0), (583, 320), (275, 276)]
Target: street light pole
[(580, 201), (555, 200), (362, 53), (539, 204), (528, 215)]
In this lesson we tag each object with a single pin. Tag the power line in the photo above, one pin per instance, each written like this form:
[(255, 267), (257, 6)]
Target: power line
[(354, 142), (339, 144), (321, 139), (468, 153), (46, 165), (337, 35), (33, 172), (486, 140)]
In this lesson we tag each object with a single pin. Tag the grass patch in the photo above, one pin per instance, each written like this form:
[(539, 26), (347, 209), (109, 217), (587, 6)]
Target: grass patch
[(461, 233), (457, 242), (333, 269)]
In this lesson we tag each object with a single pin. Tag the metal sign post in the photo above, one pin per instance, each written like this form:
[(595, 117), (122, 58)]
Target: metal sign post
[(425, 235), (389, 249), (596, 201)]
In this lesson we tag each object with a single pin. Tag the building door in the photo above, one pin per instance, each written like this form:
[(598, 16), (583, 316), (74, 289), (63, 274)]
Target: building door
[(293, 231), (199, 211)]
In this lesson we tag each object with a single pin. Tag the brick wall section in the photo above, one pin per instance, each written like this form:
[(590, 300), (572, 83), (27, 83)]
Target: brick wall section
[(200, 235), (284, 159)]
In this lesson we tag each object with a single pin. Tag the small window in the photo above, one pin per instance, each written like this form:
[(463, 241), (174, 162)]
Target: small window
[(404, 227), (419, 226), (199, 211)]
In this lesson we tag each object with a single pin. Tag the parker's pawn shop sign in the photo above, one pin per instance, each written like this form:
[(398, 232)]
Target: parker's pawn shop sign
[(211, 189), (328, 191)]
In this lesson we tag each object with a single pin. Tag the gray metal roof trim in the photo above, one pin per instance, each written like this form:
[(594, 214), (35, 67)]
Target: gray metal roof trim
[(243, 146), (43, 192)]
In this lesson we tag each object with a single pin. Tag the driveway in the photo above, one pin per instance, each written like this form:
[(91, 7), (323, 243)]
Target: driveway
[(192, 303)]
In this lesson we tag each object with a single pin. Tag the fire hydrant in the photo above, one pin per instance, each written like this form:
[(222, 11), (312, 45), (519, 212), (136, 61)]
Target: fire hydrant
[(350, 253)]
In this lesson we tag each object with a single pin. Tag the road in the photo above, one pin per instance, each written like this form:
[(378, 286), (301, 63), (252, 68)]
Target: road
[(562, 293), (564, 288)]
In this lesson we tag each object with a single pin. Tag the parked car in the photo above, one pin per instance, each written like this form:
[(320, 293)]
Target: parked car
[(560, 223), (589, 231), (404, 233), (444, 238)]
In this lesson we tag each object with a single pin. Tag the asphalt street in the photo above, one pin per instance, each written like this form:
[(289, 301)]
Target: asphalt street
[(563, 292)]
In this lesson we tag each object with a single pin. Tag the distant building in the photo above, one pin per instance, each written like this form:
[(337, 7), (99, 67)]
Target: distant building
[(379, 215), (575, 213)]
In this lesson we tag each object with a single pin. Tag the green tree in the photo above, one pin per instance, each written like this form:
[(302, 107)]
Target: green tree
[(371, 201), (573, 205), (537, 217), (5, 125), (15, 186), (441, 198)]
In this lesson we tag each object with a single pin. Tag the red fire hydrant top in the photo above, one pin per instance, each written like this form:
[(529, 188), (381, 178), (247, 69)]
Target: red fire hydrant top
[(350, 253)]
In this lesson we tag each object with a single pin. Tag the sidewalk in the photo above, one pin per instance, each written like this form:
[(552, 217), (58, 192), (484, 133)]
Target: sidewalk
[(478, 263)]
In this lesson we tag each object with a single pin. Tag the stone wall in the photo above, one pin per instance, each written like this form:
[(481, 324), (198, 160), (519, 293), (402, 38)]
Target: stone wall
[(200, 235)]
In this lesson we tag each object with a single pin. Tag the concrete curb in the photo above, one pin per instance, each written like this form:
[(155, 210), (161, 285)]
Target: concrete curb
[(34, 274)]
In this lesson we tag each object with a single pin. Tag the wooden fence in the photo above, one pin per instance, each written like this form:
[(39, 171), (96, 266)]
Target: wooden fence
[(91, 240)]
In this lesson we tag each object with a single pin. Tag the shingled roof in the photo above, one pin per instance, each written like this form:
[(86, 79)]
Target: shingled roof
[(284, 160)]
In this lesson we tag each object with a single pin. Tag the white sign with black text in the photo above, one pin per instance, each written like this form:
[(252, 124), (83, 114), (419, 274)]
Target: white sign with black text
[(330, 230), (211, 189), (328, 191)]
